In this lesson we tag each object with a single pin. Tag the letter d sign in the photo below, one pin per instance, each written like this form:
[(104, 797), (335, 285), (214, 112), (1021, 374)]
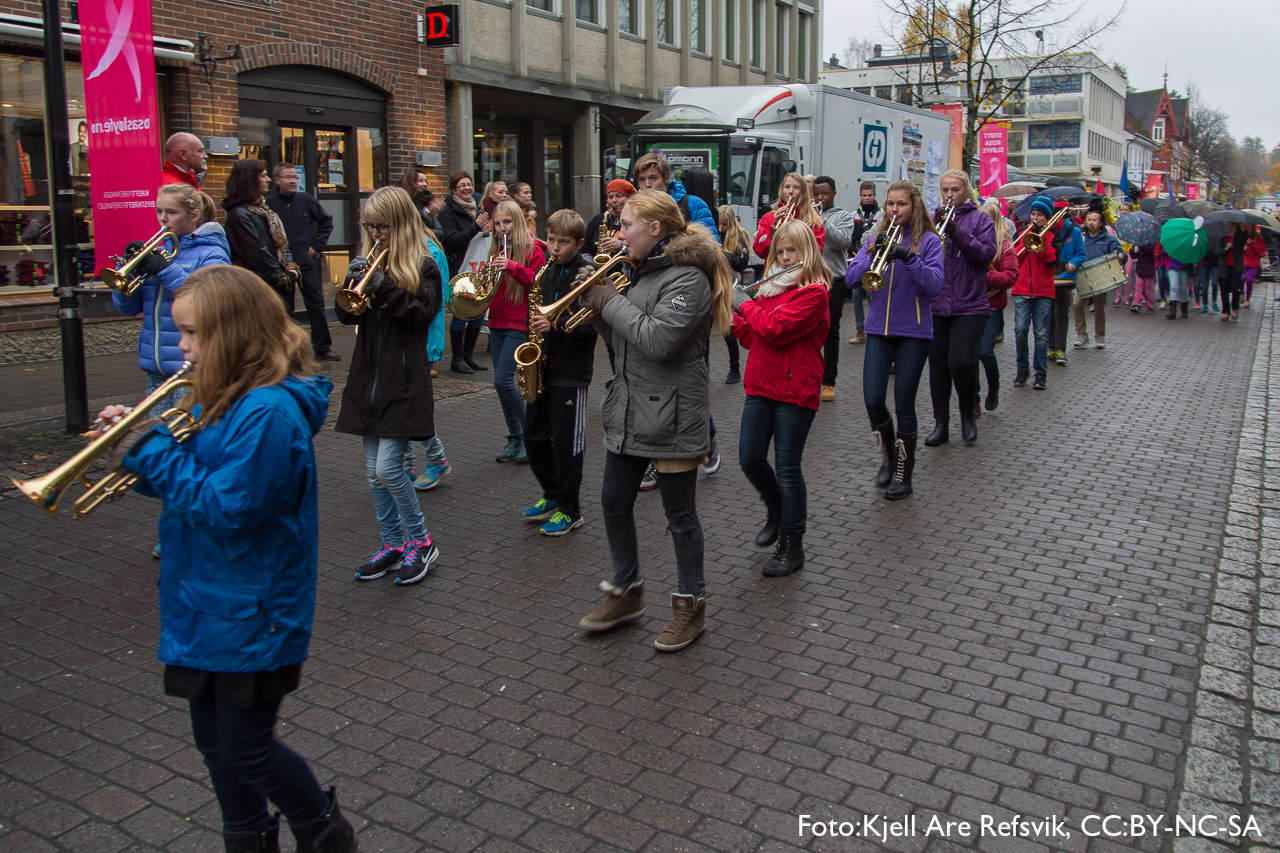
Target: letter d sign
[(875, 148), (442, 26)]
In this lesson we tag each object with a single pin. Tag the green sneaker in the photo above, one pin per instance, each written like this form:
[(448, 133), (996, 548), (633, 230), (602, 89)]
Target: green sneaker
[(542, 510)]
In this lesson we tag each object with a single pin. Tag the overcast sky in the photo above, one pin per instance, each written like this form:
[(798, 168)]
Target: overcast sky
[(1228, 48)]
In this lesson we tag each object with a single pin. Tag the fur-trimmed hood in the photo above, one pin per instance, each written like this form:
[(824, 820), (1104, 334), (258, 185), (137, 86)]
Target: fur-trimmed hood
[(694, 248)]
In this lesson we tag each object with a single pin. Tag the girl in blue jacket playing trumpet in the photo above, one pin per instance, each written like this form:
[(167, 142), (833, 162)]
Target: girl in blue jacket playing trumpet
[(240, 528)]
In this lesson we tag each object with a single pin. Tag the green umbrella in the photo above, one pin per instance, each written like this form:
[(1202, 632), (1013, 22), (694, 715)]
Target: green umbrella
[(1184, 239)]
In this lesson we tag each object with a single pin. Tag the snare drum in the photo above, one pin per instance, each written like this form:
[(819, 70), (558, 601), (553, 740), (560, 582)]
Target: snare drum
[(1099, 276)]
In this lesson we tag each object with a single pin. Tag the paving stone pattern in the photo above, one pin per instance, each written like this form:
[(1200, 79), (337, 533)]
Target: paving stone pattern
[(1022, 636)]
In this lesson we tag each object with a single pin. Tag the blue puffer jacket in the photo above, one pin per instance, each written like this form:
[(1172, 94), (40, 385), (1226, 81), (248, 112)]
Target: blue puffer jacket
[(240, 529), (158, 351), (435, 332), (1070, 245), (698, 210)]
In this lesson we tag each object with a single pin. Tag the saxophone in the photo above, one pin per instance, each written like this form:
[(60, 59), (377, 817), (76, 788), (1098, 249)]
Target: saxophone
[(602, 256), (530, 380)]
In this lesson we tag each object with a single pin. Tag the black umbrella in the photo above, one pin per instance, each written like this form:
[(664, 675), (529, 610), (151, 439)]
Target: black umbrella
[(1214, 222), (1200, 207), (1024, 207), (1162, 209), (1063, 182)]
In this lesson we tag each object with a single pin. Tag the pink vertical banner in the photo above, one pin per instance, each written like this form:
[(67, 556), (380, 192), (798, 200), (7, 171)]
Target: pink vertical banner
[(993, 159), (124, 123), (955, 112), (1193, 192)]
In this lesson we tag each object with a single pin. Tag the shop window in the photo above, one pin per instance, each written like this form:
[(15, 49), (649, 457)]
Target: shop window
[(255, 140), (496, 152), (331, 160), (554, 166), (629, 16), (372, 151)]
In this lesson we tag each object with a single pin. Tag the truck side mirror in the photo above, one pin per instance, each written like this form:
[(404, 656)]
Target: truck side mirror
[(788, 166)]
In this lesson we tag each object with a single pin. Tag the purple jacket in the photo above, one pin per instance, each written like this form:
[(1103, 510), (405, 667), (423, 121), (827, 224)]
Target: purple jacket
[(966, 253), (901, 307)]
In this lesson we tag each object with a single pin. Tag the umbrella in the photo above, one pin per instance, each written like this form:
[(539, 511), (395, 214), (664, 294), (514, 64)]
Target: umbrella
[(1017, 190), (1064, 182), (1200, 207), (1213, 222), (1184, 239), (1163, 209), (1024, 207), (1138, 228)]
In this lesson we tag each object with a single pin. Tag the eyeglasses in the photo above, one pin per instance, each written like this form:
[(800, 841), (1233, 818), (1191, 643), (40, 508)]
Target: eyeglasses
[(376, 229)]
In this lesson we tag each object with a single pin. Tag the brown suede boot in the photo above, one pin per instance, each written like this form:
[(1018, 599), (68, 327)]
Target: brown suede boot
[(621, 607), (688, 620)]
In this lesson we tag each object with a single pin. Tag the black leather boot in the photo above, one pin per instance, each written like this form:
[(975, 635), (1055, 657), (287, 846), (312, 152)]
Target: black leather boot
[(901, 485), (788, 558), (266, 841), (968, 425), (1184, 310), (457, 364), (769, 533), (469, 348), (332, 833), (888, 453), (940, 434)]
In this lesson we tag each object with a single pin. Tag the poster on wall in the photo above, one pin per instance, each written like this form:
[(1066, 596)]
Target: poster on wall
[(913, 154), (993, 160), (122, 123), (932, 174)]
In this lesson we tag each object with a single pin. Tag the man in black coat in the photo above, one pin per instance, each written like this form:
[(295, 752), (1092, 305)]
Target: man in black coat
[(308, 226)]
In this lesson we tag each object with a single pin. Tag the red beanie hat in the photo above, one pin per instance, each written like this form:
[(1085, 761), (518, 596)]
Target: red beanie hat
[(620, 185)]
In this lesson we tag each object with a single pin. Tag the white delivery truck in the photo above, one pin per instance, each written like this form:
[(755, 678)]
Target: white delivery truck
[(749, 137)]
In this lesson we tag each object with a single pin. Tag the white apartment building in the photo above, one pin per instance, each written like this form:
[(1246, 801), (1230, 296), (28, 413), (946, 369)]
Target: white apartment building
[(539, 90), (1066, 120)]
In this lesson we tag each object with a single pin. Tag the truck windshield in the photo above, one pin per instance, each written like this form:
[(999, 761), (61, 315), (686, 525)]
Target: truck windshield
[(742, 172)]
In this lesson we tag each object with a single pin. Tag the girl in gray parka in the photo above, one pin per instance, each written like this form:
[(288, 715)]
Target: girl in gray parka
[(657, 406)]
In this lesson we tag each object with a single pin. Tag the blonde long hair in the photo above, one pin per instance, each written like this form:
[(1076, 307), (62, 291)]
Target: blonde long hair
[(247, 340), (407, 239), (963, 177), (992, 209), (650, 206), (519, 247), (920, 223), (191, 200), (804, 205), (813, 270), (736, 237)]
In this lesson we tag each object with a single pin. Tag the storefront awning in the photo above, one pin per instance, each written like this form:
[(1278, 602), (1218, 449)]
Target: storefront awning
[(19, 28)]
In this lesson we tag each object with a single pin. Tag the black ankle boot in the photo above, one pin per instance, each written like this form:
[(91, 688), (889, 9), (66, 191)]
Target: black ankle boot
[(469, 348), (769, 533), (266, 841), (940, 434), (888, 453), (1184, 310), (901, 485), (968, 426), (457, 365), (329, 834), (788, 558)]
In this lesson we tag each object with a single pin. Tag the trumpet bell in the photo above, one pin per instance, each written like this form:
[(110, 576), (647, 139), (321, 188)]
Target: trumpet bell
[(872, 280), (117, 282), (351, 301)]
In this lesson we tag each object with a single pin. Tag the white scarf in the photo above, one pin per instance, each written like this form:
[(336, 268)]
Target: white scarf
[(781, 283)]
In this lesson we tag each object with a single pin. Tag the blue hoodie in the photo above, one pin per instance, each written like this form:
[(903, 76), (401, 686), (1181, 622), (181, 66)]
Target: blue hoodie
[(159, 353), (698, 210), (240, 528)]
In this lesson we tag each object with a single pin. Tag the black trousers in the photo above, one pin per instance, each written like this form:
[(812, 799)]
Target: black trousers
[(555, 429), (953, 359), (313, 301), (1058, 319), (831, 349)]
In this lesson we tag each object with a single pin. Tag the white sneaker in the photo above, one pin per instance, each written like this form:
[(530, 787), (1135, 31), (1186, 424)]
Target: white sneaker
[(1082, 341), (1099, 343)]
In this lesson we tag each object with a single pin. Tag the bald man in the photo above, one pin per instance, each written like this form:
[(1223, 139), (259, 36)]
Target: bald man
[(184, 159)]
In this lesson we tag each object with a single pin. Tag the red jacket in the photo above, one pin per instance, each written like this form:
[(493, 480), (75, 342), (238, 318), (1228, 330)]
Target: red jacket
[(505, 313), (1003, 277), (1254, 250), (764, 235), (1036, 272), (785, 335), (171, 174)]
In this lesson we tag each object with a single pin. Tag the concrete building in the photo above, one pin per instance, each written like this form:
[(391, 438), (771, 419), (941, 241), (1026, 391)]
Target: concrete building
[(540, 90), (1064, 120)]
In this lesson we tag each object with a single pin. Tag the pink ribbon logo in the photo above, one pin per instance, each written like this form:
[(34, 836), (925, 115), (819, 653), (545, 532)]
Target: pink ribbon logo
[(120, 20)]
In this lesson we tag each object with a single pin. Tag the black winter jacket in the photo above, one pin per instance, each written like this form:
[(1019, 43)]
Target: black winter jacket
[(251, 245), (306, 223), (457, 228), (569, 356), (388, 391), (591, 246)]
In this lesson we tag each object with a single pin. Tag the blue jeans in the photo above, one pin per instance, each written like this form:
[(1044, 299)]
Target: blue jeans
[(432, 447), (907, 356), (393, 496), (1207, 281), (859, 310), (1026, 310), (503, 342), (987, 348), (248, 766), (457, 325), (154, 381), (787, 426), (1178, 291)]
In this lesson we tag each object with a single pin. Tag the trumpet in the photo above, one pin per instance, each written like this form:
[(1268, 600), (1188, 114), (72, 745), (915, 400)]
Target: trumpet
[(610, 272), (1033, 241), (353, 299), (473, 290), (948, 213), (873, 279), (47, 491), (122, 279), (784, 213)]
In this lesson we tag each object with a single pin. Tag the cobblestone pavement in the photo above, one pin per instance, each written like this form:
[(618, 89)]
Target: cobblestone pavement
[(1023, 636)]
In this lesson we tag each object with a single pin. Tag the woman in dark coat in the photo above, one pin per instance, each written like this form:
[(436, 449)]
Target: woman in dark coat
[(256, 235), (460, 222), (388, 399)]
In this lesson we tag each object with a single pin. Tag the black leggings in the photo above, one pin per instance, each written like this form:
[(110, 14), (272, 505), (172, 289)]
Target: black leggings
[(953, 359)]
